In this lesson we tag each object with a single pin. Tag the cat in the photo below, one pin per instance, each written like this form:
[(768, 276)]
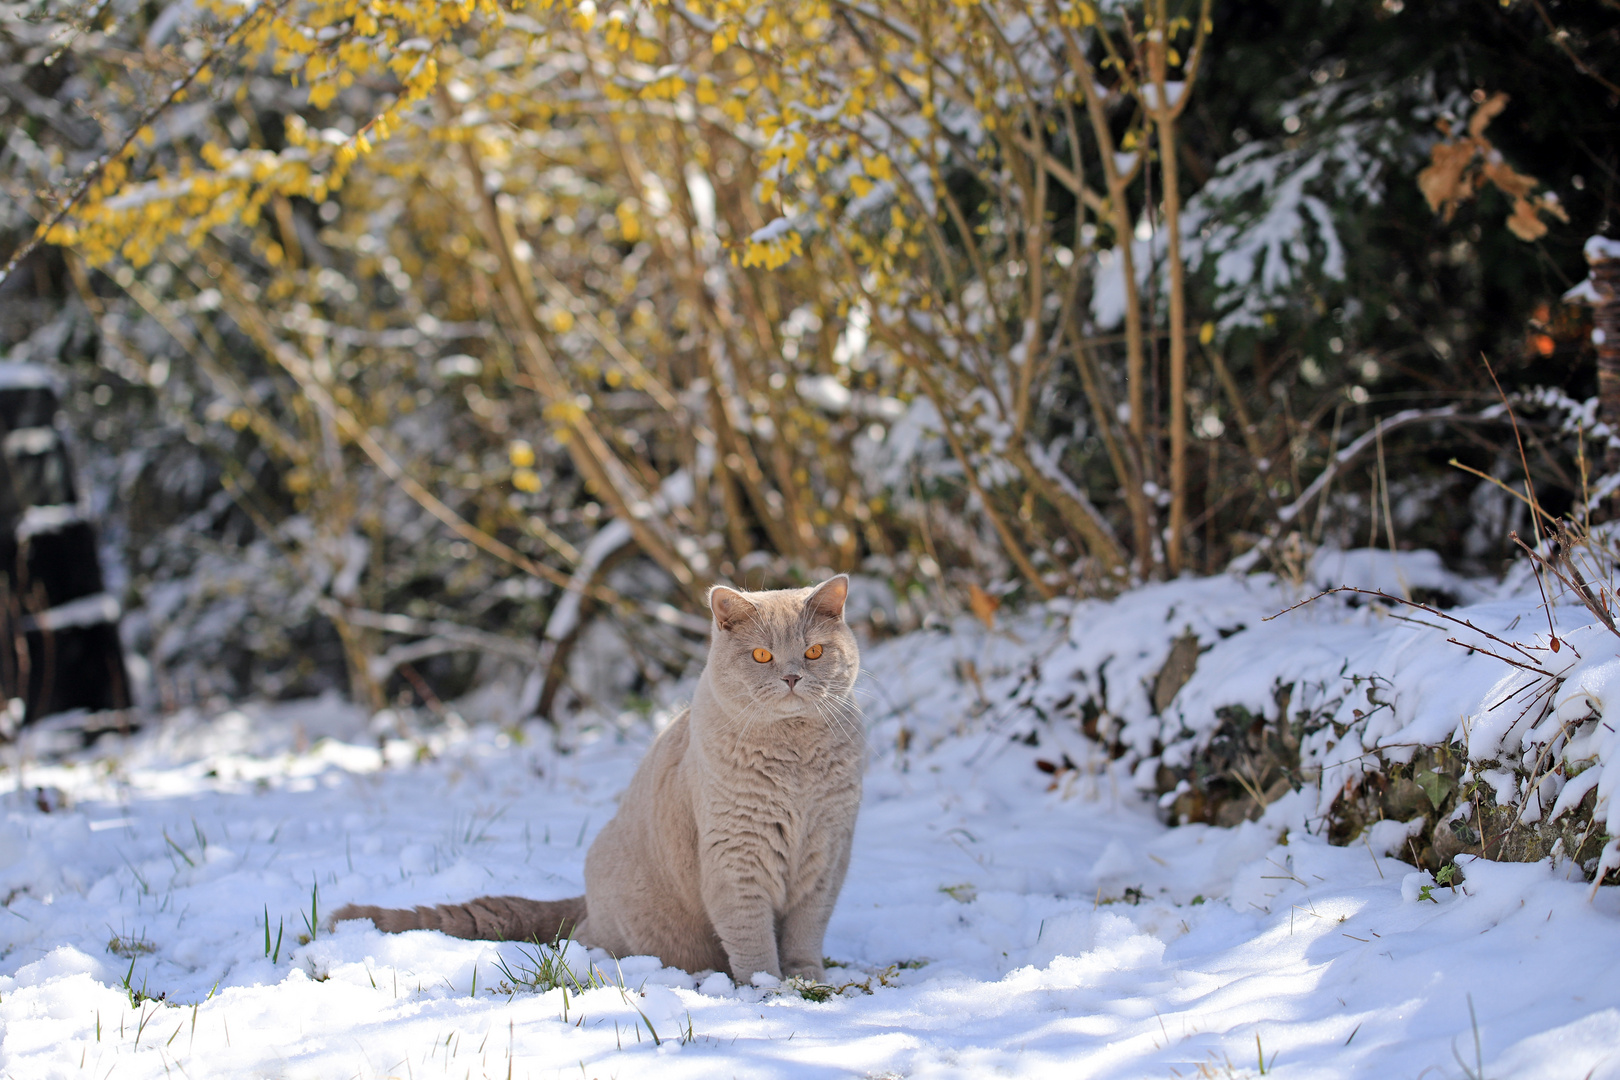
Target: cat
[(731, 843)]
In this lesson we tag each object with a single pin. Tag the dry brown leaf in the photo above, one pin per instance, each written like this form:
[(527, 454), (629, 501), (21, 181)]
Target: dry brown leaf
[(1510, 180), (1452, 177), (1488, 110), (1442, 182), (984, 605), (1524, 223)]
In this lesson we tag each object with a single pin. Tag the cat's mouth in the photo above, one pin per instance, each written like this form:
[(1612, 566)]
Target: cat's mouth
[(800, 690)]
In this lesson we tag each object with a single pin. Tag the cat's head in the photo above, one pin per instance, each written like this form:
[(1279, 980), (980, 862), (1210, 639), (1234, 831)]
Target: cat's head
[(783, 652)]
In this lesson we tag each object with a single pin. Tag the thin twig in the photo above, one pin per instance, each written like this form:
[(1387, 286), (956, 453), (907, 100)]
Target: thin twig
[(1563, 545), (1529, 490), (1382, 595), (1487, 476), (1389, 515), (1555, 564), (1351, 452), (1561, 39), (1504, 659)]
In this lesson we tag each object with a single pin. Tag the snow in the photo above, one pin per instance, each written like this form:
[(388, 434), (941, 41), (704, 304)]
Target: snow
[(1584, 293), (21, 376), (1395, 572), (1599, 248), (1004, 921), (1173, 92), (30, 440), (772, 230), (40, 520), (608, 539), (85, 611), (825, 391)]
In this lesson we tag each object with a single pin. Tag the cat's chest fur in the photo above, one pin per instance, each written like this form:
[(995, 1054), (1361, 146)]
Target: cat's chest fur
[(789, 776)]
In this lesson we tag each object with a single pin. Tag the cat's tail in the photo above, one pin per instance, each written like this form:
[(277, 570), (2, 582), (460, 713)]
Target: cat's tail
[(489, 918)]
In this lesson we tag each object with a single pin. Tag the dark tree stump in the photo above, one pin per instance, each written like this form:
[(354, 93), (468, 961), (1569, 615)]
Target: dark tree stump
[(59, 644)]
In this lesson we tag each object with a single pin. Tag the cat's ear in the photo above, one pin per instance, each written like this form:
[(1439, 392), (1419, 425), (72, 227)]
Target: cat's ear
[(827, 599), (731, 608)]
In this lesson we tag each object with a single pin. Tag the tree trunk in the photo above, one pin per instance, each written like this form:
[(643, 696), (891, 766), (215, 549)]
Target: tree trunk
[(1166, 121)]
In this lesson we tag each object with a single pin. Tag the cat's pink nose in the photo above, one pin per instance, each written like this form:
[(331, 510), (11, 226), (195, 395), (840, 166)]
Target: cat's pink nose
[(791, 680)]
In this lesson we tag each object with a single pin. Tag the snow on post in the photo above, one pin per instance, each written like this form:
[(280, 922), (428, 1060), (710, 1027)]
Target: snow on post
[(1602, 290)]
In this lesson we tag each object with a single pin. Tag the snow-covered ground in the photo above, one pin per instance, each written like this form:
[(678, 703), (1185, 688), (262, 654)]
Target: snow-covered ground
[(996, 920)]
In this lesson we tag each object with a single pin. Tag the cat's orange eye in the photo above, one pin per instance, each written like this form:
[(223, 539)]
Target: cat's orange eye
[(813, 652), (762, 655)]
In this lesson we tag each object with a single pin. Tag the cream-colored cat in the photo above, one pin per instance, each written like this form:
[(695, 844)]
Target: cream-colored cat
[(731, 842)]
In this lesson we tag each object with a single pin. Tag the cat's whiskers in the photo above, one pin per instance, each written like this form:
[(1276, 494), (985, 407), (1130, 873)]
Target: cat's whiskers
[(876, 684), (846, 728), (839, 711), (831, 718), (852, 716)]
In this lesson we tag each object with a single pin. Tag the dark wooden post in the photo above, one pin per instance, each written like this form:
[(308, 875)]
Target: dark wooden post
[(59, 645), (1603, 256)]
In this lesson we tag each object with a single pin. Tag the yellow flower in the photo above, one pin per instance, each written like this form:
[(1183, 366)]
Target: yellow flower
[(629, 227), (775, 252)]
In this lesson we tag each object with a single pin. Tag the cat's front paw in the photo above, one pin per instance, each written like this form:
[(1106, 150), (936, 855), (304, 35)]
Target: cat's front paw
[(811, 972)]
